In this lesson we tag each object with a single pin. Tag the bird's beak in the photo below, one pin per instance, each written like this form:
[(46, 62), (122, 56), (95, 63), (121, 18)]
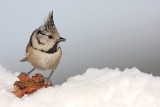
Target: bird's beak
[(61, 39)]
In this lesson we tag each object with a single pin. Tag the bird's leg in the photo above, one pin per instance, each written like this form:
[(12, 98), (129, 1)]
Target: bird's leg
[(30, 71), (22, 73), (47, 79)]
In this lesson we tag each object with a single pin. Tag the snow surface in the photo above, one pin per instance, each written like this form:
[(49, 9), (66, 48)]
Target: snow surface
[(95, 88)]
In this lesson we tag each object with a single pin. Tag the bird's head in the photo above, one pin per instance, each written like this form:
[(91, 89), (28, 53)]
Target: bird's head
[(46, 36)]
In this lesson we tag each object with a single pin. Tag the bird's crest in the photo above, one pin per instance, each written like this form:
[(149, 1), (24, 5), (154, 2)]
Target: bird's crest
[(49, 23)]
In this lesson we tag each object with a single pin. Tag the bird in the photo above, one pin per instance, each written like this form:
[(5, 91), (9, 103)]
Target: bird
[(43, 50)]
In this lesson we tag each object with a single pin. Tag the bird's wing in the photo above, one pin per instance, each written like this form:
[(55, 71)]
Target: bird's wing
[(27, 49), (24, 59)]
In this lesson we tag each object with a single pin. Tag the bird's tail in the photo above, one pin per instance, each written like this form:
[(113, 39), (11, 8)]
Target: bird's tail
[(24, 59)]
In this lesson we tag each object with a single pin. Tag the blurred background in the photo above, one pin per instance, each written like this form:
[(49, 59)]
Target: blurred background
[(100, 33)]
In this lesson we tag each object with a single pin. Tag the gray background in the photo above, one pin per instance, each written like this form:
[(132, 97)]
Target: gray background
[(100, 33)]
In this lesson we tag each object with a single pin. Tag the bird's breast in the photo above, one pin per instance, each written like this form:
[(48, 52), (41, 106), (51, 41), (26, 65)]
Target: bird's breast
[(44, 61)]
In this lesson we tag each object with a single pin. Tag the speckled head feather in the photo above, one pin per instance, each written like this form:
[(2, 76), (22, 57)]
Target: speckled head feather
[(49, 23)]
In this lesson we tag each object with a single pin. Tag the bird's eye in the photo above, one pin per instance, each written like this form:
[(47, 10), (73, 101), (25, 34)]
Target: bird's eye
[(50, 36)]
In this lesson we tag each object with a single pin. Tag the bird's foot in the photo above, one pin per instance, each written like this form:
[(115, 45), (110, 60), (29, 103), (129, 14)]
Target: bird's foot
[(23, 74), (46, 80)]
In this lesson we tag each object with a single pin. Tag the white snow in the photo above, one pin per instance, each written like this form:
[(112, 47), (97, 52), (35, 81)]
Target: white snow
[(95, 88)]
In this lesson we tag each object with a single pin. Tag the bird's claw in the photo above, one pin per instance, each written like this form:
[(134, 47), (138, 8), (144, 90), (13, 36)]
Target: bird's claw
[(46, 80), (22, 74)]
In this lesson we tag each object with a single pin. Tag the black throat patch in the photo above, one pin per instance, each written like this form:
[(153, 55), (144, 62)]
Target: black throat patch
[(51, 50)]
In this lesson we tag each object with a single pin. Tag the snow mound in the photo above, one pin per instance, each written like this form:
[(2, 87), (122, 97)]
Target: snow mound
[(95, 88)]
